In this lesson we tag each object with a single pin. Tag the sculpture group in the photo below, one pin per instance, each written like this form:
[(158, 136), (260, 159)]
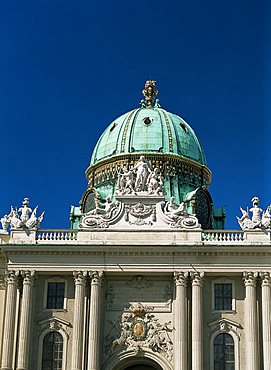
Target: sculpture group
[(139, 179), (256, 222), (24, 221), (140, 202)]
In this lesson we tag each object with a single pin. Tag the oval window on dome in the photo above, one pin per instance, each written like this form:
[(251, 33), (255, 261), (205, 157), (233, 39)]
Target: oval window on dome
[(183, 126), (147, 121)]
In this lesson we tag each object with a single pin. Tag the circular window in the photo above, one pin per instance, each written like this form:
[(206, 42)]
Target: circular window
[(147, 121)]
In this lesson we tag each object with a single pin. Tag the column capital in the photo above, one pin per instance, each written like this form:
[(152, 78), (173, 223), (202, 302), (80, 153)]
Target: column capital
[(29, 277), (197, 278), (266, 278), (250, 278), (80, 277), (11, 277), (180, 278), (96, 277)]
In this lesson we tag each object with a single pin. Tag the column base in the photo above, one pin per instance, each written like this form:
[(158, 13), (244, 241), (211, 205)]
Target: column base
[(5, 368)]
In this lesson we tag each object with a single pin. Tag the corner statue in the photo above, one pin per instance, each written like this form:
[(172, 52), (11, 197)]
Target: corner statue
[(16, 222), (256, 222)]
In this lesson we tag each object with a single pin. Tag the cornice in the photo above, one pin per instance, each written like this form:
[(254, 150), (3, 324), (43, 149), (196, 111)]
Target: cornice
[(136, 251), (159, 156)]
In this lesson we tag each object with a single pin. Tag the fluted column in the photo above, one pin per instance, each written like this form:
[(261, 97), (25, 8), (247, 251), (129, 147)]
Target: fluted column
[(95, 320), (251, 324), (266, 319), (78, 322), (197, 318), (180, 317), (25, 319), (9, 324)]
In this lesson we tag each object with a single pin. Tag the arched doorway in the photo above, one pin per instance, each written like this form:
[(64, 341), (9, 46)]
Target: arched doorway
[(141, 367), (138, 364)]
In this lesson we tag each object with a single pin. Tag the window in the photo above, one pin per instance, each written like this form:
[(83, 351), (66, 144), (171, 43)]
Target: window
[(223, 296), (55, 295), (52, 353), (223, 352)]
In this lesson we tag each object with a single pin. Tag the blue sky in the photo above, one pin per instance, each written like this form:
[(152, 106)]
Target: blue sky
[(69, 68)]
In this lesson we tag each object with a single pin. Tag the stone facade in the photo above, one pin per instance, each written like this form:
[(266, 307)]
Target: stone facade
[(136, 297)]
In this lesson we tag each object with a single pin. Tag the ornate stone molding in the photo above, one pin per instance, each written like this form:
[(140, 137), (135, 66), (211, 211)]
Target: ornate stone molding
[(266, 278), (110, 295), (250, 278), (55, 324), (181, 278), (80, 277), (139, 282), (225, 326), (197, 278)]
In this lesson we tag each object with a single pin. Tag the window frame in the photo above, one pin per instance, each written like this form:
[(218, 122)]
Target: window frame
[(55, 279), (224, 280), (224, 347), (236, 347), (54, 332)]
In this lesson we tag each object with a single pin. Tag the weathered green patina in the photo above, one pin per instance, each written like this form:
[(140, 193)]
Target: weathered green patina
[(150, 130)]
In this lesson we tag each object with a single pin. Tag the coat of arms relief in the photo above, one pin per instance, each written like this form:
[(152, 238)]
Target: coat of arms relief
[(138, 329)]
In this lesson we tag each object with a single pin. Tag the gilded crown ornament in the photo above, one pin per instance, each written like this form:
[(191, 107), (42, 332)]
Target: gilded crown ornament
[(149, 92)]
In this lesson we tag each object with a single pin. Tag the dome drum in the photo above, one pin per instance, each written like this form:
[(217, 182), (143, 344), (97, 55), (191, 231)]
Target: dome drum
[(180, 175)]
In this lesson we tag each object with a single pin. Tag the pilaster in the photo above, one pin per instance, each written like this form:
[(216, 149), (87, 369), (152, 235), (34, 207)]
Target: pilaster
[(11, 280), (25, 319), (94, 320), (251, 321), (180, 316), (78, 322), (197, 318), (266, 318)]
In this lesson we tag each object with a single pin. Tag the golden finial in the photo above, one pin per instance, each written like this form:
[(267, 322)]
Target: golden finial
[(149, 92)]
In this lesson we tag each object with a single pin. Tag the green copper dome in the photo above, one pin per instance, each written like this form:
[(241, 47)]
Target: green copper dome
[(149, 130)]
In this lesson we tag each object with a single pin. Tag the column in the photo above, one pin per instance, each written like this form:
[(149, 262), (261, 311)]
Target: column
[(266, 319), (9, 324), (25, 319), (180, 317), (78, 322), (95, 320), (197, 319), (251, 327)]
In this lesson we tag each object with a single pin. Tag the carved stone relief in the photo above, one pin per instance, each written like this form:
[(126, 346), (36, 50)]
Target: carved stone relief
[(156, 294), (139, 330)]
